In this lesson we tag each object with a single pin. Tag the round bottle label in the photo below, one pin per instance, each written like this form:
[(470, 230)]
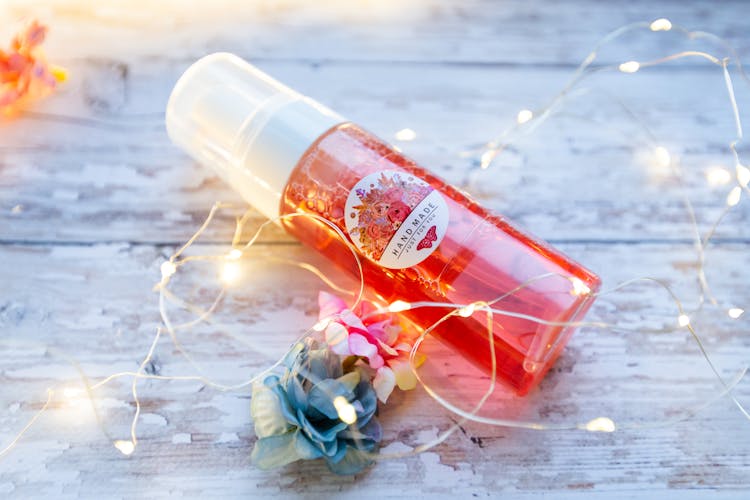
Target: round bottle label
[(395, 219)]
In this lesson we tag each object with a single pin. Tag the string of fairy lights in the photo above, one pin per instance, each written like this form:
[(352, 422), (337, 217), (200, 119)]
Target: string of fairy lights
[(526, 122)]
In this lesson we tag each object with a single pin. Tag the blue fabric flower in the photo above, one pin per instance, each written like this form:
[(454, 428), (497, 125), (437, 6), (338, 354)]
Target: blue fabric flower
[(315, 410)]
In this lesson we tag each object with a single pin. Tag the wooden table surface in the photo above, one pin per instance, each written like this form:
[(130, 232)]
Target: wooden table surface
[(93, 198)]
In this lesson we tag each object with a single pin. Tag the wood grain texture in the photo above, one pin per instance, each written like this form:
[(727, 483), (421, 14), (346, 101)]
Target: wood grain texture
[(196, 440), (587, 165), (468, 32), (93, 198)]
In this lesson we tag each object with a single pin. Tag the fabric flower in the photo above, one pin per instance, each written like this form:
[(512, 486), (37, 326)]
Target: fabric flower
[(375, 336), (25, 75), (315, 410)]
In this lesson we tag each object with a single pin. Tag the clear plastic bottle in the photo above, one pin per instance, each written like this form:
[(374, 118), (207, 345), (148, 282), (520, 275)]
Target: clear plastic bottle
[(421, 239)]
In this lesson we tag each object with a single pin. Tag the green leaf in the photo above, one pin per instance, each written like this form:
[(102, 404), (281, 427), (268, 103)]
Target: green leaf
[(265, 408), (275, 451)]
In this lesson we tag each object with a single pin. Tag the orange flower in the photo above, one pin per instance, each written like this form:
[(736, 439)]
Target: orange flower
[(25, 75)]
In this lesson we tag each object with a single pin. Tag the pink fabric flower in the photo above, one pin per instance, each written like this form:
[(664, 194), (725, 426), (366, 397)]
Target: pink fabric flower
[(25, 75), (374, 336)]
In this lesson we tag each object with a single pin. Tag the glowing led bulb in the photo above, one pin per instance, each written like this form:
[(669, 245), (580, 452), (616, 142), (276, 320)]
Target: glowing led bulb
[(125, 447), (601, 424), (735, 312), (630, 66), (234, 254), (72, 392), (168, 269), (406, 134), (579, 287), (743, 175), (466, 311), (487, 158), (230, 272), (718, 176), (683, 320), (75, 398), (733, 198), (662, 156), (399, 306), (524, 115), (661, 24), (347, 412)]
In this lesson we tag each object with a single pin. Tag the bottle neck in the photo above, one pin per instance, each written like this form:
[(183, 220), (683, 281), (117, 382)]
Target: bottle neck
[(271, 143)]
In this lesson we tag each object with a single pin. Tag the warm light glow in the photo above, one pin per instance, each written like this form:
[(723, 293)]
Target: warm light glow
[(72, 392), (125, 447), (733, 198), (399, 306), (743, 175), (630, 66), (168, 269), (487, 158), (347, 412), (735, 312), (230, 273), (406, 134), (524, 115), (76, 399), (683, 320), (234, 254), (579, 287), (466, 311), (662, 156), (601, 424), (718, 176), (661, 24)]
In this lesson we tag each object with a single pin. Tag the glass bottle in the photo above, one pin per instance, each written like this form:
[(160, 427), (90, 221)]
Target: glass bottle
[(420, 238)]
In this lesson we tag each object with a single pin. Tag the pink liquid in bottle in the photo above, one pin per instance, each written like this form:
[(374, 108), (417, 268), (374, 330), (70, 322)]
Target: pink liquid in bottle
[(420, 239), (481, 257)]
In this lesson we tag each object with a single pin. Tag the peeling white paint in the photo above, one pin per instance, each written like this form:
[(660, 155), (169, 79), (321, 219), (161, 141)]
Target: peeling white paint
[(395, 447), (227, 437), (153, 419), (182, 438)]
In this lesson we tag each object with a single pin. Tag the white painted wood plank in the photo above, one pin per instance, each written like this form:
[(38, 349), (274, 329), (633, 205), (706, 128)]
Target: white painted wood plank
[(482, 31), (583, 175), (95, 303)]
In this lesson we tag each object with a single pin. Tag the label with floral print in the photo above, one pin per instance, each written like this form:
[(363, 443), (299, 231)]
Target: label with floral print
[(395, 219)]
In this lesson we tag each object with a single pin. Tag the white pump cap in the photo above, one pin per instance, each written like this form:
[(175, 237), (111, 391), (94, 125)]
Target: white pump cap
[(251, 129)]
